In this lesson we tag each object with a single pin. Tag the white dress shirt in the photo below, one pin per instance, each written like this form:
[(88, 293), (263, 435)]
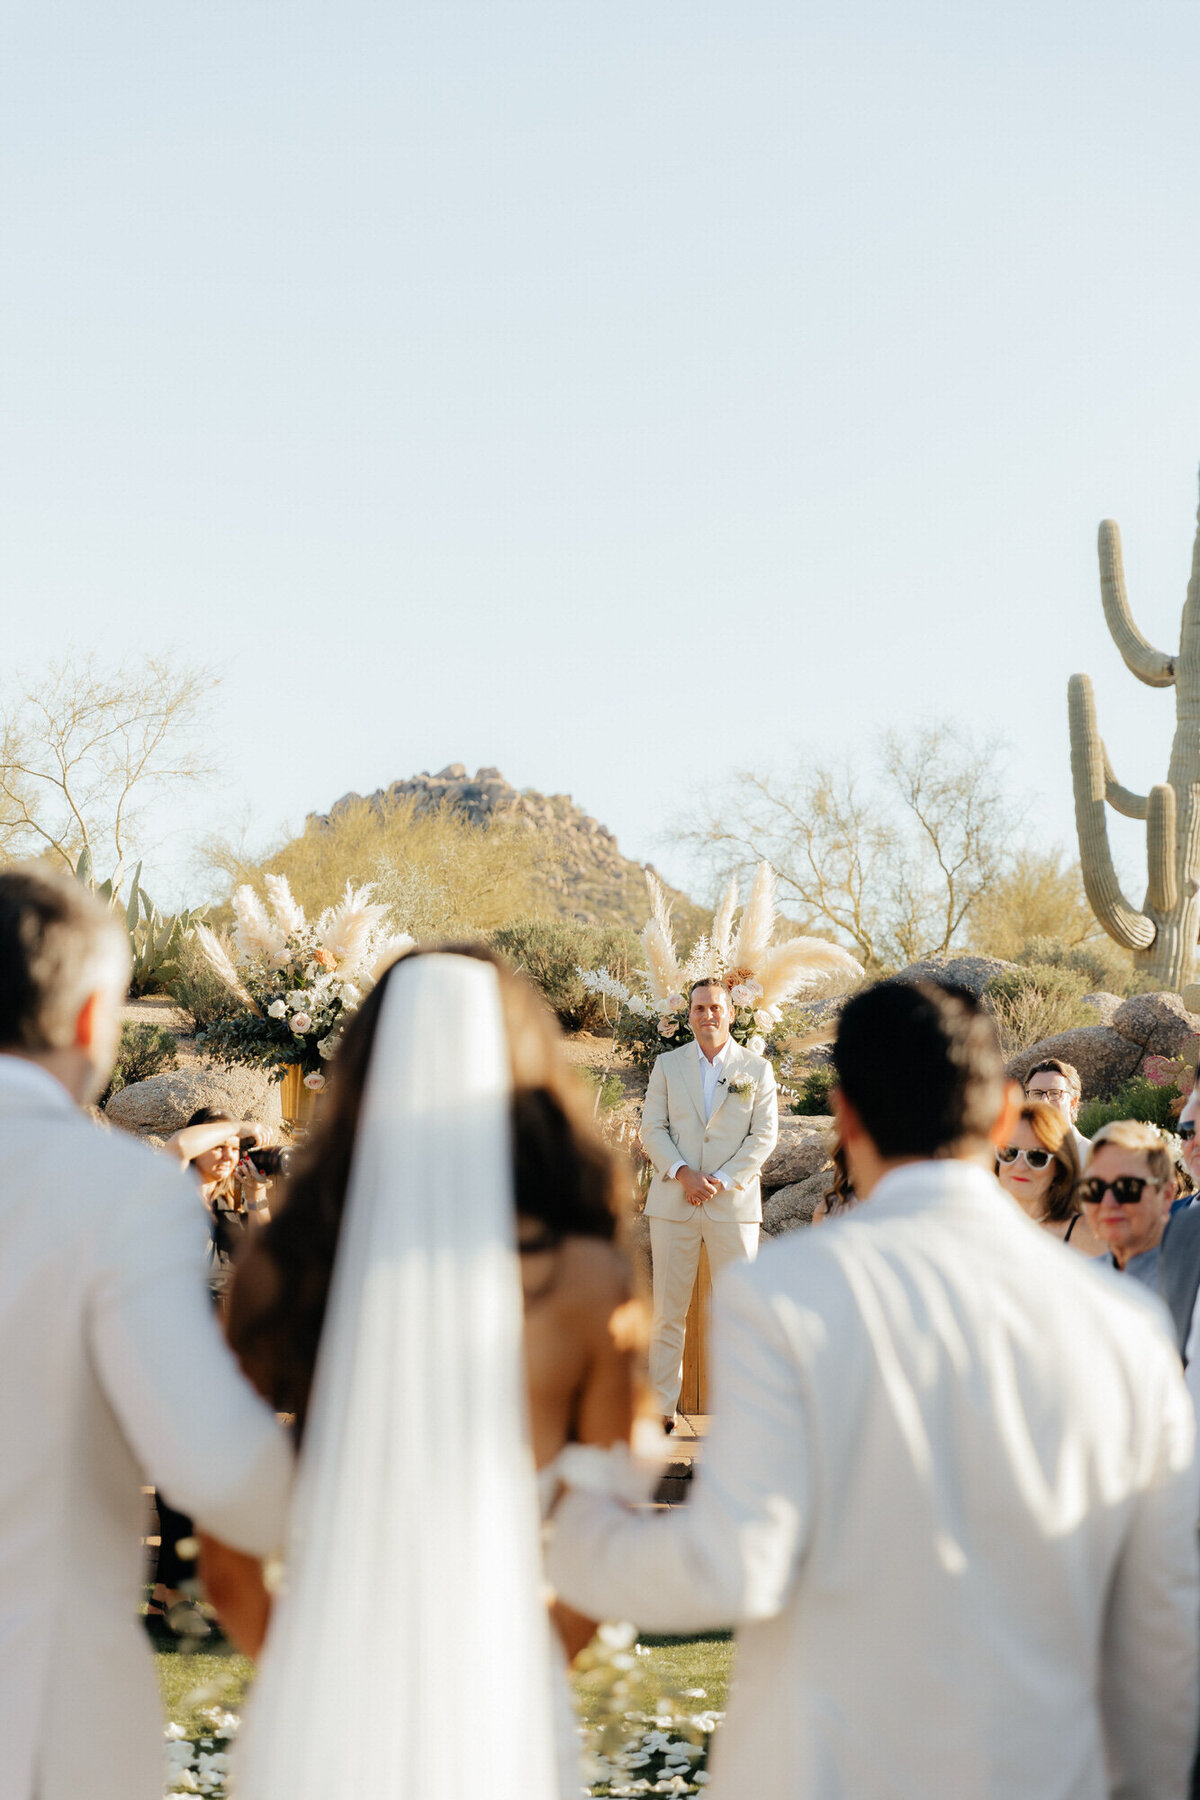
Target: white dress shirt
[(711, 1076)]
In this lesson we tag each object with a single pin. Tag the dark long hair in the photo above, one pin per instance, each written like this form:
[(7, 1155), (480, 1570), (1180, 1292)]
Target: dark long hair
[(564, 1174)]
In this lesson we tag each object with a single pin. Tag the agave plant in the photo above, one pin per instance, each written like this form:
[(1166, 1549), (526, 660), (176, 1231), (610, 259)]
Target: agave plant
[(154, 941)]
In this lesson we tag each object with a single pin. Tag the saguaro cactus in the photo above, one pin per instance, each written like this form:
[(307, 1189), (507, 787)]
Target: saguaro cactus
[(1163, 934)]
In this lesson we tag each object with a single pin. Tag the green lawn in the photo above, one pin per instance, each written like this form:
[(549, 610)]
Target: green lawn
[(190, 1682)]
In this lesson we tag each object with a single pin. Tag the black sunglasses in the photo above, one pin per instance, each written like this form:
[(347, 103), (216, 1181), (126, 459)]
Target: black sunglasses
[(1126, 1190)]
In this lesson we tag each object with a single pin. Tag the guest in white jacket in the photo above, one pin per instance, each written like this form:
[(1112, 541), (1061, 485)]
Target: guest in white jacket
[(115, 1373), (948, 1498)]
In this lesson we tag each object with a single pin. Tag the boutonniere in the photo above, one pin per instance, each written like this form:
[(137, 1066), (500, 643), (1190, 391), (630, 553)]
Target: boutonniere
[(741, 1087)]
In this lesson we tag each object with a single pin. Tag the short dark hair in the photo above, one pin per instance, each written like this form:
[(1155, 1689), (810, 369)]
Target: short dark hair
[(212, 1115), (709, 981), (921, 1065), (1053, 1065), (58, 944)]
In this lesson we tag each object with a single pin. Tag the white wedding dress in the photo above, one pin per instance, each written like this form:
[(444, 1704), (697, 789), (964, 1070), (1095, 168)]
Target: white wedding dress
[(410, 1655)]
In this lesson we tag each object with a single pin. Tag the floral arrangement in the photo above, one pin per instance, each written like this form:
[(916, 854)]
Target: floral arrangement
[(657, 1745), (298, 980), (762, 977), (200, 1765)]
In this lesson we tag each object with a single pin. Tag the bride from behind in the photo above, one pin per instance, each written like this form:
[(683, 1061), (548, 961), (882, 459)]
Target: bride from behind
[(442, 1307)]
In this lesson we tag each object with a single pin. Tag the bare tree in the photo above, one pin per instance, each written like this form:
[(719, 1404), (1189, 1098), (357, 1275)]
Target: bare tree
[(83, 750), (893, 859)]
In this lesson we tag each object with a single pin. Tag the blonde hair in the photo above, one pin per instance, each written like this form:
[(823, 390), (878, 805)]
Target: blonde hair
[(1140, 1140)]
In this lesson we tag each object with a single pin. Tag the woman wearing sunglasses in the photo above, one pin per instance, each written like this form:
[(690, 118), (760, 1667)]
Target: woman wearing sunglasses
[(1039, 1167), (1126, 1195)]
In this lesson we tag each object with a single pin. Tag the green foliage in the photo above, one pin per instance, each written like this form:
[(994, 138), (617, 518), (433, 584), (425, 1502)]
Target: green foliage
[(1136, 1098), (1105, 967), (610, 1089), (144, 1050), (1036, 1001), (551, 953), (813, 1094), (198, 990), (155, 943)]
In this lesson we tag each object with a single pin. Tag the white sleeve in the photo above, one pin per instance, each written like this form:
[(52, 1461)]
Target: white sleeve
[(198, 1429), (730, 1554), (1150, 1684)]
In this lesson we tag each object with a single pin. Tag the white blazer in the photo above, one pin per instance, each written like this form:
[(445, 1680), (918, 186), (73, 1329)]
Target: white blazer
[(949, 1498), (738, 1137), (113, 1373)]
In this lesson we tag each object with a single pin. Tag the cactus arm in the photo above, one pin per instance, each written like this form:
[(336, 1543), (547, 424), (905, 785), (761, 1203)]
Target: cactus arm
[(1123, 922), (1147, 663), (1163, 891), (1121, 799)]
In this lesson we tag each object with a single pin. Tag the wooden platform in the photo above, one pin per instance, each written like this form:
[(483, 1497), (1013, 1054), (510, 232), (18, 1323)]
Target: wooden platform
[(685, 1441)]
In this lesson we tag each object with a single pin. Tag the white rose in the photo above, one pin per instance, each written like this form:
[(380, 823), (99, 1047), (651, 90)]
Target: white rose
[(667, 1027), (763, 1020), (756, 1045), (326, 1047), (740, 994), (277, 1009), (675, 1003), (301, 1023), (315, 1081), (754, 989)]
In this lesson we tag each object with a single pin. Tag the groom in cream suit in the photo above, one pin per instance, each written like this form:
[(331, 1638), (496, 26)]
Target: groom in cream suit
[(949, 1494), (115, 1373), (709, 1123)]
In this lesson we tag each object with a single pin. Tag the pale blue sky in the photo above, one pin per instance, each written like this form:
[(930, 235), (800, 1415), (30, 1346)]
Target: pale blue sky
[(616, 393)]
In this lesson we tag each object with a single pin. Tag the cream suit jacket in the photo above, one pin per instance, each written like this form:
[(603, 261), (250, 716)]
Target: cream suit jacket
[(738, 1138), (114, 1374), (949, 1499)]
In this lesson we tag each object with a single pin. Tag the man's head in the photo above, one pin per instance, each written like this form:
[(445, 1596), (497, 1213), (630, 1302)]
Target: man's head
[(920, 1075), (64, 969), (1056, 1084), (1127, 1188), (710, 1014)]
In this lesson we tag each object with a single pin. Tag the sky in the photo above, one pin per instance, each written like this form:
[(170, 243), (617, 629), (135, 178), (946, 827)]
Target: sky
[(618, 394)]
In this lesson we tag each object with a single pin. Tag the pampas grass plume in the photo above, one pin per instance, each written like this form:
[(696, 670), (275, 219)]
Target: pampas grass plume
[(802, 965), (220, 962), (758, 921), (289, 913)]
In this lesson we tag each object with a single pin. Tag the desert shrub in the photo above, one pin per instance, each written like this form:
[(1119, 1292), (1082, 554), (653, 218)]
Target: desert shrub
[(813, 1093), (608, 1091), (1104, 965), (1136, 1098), (199, 991), (144, 1050), (441, 875), (1036, 1001), (552, 952)]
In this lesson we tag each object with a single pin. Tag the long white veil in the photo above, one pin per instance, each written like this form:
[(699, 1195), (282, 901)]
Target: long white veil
[(409, 1656)]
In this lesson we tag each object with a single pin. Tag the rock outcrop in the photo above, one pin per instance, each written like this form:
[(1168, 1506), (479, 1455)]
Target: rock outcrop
[(164, 1103), (803, 1148), (591, 880), (1108, 1054), (789, 1208)]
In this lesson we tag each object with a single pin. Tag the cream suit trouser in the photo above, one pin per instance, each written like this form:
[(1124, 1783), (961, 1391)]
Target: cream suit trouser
[(675, 1257)]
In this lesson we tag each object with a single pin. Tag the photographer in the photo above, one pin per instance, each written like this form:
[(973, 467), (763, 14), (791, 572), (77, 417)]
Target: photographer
[(234, 1188), (219, 1149)]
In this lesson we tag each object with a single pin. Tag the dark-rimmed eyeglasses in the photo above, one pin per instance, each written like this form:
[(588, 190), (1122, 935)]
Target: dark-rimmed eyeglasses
[(1126, 1190), (1036, 1159), (1051, 1094)]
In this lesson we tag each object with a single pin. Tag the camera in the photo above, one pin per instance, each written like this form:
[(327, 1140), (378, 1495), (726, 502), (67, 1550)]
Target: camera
[(268, 1159)]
